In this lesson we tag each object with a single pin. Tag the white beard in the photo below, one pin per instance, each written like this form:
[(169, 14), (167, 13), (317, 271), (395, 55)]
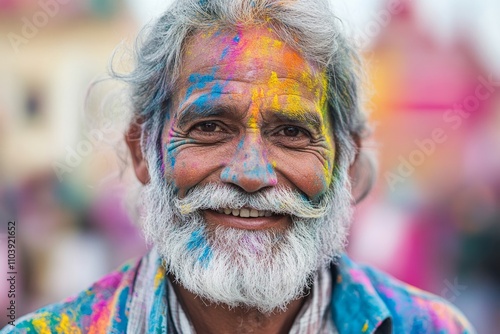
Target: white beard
[(264, 269)]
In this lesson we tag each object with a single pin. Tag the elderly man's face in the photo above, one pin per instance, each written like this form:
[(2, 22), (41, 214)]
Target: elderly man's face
[(248, 111)]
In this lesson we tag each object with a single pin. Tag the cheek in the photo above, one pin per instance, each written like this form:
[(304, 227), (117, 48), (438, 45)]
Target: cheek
[(310, 171), (188, 166)]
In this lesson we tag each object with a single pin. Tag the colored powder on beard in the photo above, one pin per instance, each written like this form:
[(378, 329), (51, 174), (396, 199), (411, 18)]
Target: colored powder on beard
[(41, 325), (159, 276), (365, 327), (100, 316), (200, 81), (170, 155)]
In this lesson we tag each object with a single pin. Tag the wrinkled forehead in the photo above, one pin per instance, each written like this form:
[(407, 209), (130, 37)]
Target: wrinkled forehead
[(246, 50)]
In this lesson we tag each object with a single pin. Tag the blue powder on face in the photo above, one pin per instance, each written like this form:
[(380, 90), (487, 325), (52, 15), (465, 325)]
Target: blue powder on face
[(198, 242), (225, 173), (225, 52), (200, 81), (170, 155), (236, 40)]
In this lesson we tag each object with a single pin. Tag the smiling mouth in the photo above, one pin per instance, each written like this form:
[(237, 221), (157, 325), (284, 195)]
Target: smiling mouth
[(246, 213)]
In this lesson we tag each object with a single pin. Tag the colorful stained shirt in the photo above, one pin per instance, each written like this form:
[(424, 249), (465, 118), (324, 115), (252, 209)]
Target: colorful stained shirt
[(135, 299)]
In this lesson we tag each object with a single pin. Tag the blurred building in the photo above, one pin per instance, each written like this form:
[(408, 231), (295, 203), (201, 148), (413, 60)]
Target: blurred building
[(436, 106), (432, 220)]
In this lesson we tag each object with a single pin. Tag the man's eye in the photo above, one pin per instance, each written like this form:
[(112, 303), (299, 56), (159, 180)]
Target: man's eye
[(293, 137), (207, 127), (291, 131)]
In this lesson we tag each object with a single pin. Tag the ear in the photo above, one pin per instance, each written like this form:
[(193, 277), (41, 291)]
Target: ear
[(133, 140)]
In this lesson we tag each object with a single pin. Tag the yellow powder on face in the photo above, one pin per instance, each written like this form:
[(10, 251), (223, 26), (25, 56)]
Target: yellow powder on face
[(294, 60), (257, 94), (327, 172), (317, 93), (286, 94), (99, 326)]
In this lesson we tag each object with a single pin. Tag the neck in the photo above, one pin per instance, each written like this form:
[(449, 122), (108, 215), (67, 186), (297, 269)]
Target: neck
[(211, 318)]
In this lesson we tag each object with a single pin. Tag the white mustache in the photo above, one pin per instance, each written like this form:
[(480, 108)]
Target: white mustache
[(279, 200)]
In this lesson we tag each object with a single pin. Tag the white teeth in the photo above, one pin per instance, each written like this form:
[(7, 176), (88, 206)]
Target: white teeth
[(245, 213)]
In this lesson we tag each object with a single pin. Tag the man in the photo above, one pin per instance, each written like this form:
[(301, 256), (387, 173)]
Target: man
[(247, 126)]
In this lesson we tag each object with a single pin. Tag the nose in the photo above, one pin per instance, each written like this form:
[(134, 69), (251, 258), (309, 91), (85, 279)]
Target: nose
[(250, 168)]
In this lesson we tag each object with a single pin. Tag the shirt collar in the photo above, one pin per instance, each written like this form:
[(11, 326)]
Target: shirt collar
[(148, 311)]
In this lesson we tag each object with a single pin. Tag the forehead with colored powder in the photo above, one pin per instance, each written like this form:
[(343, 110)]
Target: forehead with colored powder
[(250, 84), (253, 55)]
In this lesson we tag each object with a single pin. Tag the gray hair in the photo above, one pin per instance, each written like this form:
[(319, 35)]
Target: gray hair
[(308, 26)]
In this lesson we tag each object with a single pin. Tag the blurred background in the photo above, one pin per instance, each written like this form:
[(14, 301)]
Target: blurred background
[(432, 220)]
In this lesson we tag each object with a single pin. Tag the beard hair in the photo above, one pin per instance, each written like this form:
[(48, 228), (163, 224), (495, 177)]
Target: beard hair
[(261, 269)]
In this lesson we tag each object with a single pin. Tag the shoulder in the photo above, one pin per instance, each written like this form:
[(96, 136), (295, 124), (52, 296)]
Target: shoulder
[(91, 311), (414, 310)]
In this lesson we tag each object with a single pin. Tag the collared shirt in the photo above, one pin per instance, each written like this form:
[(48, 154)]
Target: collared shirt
[(313, 317), (134, 299)]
